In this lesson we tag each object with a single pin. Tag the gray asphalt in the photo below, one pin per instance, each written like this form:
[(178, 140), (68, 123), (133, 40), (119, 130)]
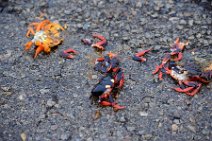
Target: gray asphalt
[(47, 98)]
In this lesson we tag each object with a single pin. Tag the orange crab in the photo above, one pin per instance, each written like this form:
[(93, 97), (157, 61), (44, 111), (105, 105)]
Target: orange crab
[(46, 35)]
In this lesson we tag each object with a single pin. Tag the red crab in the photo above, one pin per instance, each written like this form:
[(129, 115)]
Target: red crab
[(104, 91), (139, 56), (112, 81), (189, 84), (174, 55)]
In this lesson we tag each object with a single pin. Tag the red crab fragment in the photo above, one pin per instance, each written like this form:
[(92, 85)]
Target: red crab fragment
[(177, 49), (114, 105), (99, 45), (165, 60), (139, 56), (119, 79), (174, 55), (66, 53), (108, 63)]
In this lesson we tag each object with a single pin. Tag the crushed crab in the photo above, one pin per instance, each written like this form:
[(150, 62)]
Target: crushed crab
[(46, 35), (188, 84)]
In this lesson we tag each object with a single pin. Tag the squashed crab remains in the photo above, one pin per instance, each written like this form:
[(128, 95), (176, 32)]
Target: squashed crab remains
[(46, 35)]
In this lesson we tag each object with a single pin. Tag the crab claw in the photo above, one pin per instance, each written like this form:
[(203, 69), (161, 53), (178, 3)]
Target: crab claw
[(138, 56), (65, 54), (99, 45)]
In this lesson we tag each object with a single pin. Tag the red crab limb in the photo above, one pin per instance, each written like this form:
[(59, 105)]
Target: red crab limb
[(101, 59), (105, 103), (66, 53), (114, 105), (194, 91), (139, 56), (183, 90), (118, 107), (101, 38), (99, 44), (157, 69), (162, 65), (160, 75), (103, 96), (179, 56), (119, 79)]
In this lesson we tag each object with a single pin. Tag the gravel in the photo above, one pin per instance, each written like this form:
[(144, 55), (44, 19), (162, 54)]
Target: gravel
[(47, 98)]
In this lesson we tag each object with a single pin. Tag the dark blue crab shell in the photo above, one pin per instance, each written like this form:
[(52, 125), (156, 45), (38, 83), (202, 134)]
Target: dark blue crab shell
[(100, 87)]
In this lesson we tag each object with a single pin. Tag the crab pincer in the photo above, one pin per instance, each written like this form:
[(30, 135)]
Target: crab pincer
[(139, 56), (68, 53), (99, 45)]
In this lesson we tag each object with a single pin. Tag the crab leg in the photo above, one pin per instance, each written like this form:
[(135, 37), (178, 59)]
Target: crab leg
[(28, 45), (65, 53), (157, 69), (100, 59), (30, 31), (118, 107), (194, 91), (101, 38), (160, 75), (179, 56), (183, 90), (114, 105), (38, 50), (41, 25), (138, 56), (99, 44)]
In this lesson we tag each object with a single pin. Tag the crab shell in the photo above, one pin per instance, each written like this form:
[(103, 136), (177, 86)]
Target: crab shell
[(104, 86)]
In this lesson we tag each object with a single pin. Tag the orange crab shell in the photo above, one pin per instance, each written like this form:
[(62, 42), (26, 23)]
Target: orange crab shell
[(45, 36)]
